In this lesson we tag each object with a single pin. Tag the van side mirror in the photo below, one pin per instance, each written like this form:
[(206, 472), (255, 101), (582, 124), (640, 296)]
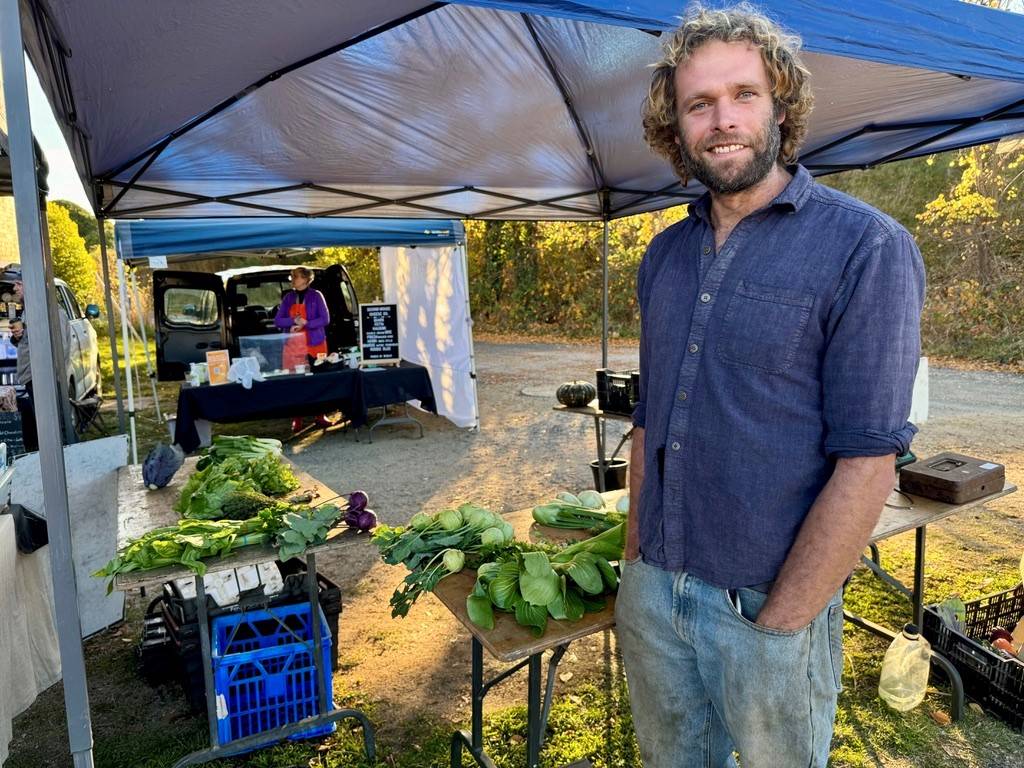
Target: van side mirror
[(92, 311)]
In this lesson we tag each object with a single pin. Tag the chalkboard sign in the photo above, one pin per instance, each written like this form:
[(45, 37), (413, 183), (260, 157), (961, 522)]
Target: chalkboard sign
[(378, 333), (10, 432)]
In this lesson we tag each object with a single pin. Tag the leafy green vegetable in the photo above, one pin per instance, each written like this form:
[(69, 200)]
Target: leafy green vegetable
[(532, 582), (245, 447), (480, 611), (187, 542), (578, 514)]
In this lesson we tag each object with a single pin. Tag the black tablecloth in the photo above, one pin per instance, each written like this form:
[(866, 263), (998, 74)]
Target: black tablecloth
[(351, 391)]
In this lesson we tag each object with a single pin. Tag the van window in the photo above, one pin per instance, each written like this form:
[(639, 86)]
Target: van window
[(350, 298), (267, 295), (193, 307)]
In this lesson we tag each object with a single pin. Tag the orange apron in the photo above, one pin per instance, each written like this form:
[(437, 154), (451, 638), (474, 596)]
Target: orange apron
[(297, 349)]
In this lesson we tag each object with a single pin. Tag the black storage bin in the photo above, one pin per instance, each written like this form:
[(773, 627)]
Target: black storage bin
[(992, 680), (177, 618), (617, 391)]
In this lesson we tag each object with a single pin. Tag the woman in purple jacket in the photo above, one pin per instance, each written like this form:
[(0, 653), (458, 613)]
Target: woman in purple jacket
[(303, 313)]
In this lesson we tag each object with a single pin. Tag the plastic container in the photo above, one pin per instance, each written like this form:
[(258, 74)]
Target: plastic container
[(267, 348), (264, 672), (616, 474), (178, 618), (992, 680), (905, 669)]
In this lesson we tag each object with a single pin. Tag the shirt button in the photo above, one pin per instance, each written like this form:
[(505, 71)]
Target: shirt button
[(682, 395), (705, 298), (693, 348), (707, 249), (675, 446)]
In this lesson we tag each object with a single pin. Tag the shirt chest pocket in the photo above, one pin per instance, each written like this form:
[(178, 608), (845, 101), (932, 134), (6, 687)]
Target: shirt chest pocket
[(763, 326)]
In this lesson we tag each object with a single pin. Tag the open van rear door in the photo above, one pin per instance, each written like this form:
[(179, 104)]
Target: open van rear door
[(189, 310)]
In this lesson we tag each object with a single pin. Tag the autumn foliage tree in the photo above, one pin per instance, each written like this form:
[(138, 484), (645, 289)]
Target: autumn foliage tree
[(973, 243), (71, 261)]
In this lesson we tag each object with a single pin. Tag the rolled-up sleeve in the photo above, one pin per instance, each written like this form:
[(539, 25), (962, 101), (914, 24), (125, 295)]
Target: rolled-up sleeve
[(874, 348), (640, 410)]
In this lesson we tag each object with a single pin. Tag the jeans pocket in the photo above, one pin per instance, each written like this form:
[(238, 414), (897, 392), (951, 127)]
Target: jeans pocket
[(835, 644), (751, 603)]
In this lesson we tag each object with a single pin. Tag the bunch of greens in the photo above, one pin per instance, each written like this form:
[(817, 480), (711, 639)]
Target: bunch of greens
[(243, 447), (271, 475), (208, 490), (435, 546), (187, 542), (191, 540), (303, 528), (534, 585), (586, 512)]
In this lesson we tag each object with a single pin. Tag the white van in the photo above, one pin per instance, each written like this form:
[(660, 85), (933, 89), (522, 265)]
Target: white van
[(83, 353)]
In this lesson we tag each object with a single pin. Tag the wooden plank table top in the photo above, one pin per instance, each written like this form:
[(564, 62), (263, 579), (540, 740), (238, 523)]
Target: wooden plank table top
[(591, 409), (509, 641), (140, 510), (905, 512)]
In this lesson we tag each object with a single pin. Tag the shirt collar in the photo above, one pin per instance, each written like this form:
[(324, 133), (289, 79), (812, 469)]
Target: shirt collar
[(792, 197)]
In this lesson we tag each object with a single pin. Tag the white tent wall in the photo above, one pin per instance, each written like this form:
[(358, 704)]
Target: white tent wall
[(431, 288)]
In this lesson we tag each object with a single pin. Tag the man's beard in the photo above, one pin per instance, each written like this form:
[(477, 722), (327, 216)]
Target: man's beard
[(766, 153)]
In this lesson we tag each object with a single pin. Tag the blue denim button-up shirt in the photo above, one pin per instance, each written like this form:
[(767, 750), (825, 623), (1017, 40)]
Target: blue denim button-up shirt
[(760, 365)]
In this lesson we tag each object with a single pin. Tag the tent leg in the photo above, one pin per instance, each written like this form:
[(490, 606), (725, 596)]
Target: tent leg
[(37, 271), (604, 298), (145, 346), (126, 341), (111, 327)]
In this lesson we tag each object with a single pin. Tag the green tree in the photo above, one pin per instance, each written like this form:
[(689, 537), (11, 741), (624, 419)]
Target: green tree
[(973, 244), (71, 261), (972, 230), (88, 227)]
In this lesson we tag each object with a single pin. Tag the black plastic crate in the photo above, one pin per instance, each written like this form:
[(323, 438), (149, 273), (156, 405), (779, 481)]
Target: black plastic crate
[(183, 635), (992, 680), (617, 391)]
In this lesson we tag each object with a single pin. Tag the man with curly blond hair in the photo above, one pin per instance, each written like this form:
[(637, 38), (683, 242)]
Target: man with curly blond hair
[(780, 338)]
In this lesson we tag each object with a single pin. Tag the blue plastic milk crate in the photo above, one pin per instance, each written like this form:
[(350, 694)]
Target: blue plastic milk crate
[(263, 671)]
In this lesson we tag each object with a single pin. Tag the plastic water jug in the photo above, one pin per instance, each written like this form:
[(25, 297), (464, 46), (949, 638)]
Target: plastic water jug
[(905, 670)]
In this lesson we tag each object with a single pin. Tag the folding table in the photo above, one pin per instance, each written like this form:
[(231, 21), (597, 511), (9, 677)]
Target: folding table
[(140, 511)]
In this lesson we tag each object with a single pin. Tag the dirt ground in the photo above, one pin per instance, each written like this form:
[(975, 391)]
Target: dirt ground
[(524, 453)]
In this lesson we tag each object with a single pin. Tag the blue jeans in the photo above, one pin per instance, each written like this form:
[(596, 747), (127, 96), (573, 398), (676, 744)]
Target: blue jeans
[(705, 680)]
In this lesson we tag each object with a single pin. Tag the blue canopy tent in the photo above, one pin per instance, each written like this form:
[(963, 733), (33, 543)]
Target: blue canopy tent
[(482, 109), (470, 109), (137, 241), (440, 249)]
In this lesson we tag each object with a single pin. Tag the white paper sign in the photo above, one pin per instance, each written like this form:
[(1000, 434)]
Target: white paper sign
[(158, 262)]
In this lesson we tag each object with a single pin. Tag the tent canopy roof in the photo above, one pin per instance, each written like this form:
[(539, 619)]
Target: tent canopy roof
[(199, 238), (470, 109)]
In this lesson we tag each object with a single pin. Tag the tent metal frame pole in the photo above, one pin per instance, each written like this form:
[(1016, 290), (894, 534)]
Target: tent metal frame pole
[(604, 295), (111, 325), (126, 341), (145, 346), (39, 308), (462, 252)]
